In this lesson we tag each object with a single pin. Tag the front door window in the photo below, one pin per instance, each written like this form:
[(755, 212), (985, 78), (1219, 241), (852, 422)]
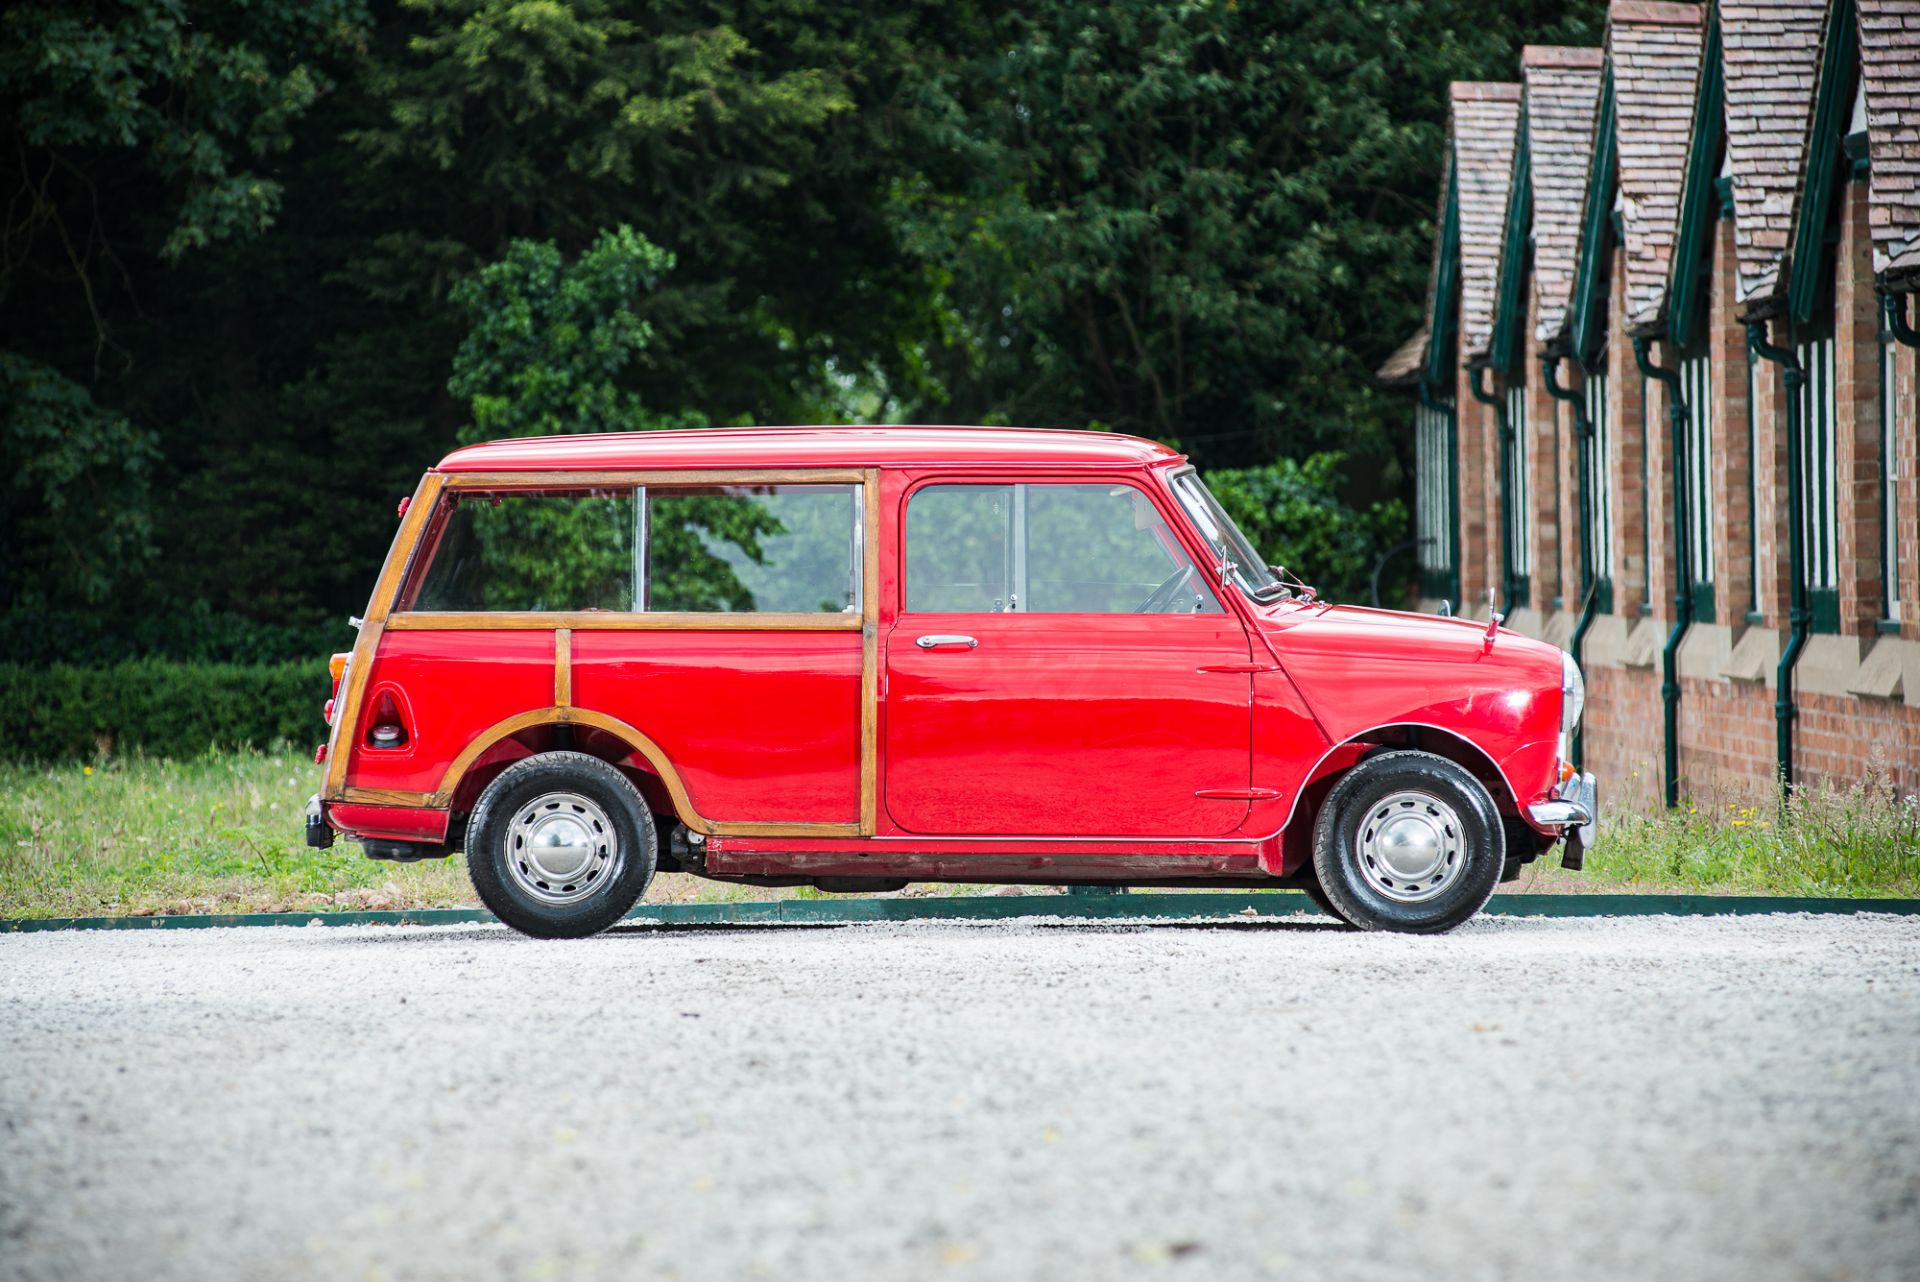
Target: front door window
[(1047, 549)]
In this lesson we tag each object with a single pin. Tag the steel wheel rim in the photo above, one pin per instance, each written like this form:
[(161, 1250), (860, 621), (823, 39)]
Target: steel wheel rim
[(1410, 846), (562, 848)]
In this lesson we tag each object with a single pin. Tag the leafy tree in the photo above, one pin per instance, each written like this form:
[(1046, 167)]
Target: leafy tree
[(553, 343), (183, 94), (1198, 222), (1295, 516), (75, 519), (752, 138), (136, 135), (237, 230)]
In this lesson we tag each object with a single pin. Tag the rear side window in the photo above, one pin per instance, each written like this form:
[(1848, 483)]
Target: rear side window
[(710, 549)]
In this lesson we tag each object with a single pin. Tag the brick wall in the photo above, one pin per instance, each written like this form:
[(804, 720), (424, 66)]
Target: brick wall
[(1856, 365), (1621, 704), (1732, 512), (1623, 409), (1478, 514)]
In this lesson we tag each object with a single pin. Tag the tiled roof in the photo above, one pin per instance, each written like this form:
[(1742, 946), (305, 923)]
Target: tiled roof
[(1408, 362), (1562, 91), (1771, 53), (1890, 68), (1655, 53), (1481, 127)]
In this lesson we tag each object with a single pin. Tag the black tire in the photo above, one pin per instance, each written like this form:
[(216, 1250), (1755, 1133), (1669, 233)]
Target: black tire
[(1321, 900), (619, 842), (1428, 795)]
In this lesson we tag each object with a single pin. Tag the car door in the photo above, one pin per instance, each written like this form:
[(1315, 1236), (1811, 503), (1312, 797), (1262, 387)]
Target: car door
[(1060, 667)]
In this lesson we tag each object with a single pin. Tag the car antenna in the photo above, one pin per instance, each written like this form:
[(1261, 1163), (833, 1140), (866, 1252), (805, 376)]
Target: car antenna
[(1493, 619)]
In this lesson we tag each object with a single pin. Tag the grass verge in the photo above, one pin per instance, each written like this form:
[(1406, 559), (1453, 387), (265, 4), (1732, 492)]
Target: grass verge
[(222, 833)]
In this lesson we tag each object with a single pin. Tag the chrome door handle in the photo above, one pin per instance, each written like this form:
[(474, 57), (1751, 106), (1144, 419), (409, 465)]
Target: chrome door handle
[(945, 638)]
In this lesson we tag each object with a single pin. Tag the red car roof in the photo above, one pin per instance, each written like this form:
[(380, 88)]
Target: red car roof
[(808, 447)]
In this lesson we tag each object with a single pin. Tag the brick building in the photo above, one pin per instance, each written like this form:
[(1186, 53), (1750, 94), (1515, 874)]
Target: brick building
[(1665, 395)]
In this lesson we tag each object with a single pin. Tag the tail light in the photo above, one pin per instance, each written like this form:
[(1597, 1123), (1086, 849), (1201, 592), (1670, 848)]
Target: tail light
[(388, 725)]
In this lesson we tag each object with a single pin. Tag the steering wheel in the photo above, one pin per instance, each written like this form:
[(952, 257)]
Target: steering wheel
[(1165, 595)]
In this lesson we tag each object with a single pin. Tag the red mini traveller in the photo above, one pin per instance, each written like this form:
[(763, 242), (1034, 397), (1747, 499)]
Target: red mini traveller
[(858, 657)]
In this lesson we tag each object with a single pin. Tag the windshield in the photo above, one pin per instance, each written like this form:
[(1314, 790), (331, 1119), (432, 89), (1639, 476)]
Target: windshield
[(1245, 566)]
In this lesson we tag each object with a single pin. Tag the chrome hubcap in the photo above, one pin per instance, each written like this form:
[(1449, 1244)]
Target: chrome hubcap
[(561, 848), (1409, 846)]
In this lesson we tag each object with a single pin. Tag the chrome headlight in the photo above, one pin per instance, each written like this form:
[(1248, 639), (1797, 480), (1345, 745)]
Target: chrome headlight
[(1573, 694)]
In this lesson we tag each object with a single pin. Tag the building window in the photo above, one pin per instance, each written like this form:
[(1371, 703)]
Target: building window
[(1433, 500), (1600, 488), (1889, 470), (1519, 514), (1696, 391), (1820, 523)]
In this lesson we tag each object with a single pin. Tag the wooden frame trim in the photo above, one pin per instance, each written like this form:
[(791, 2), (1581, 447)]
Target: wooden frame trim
[(679, 476), (618, 621), (388, 797), (870, 657), (655, 756), (360, 666), (399, 559)]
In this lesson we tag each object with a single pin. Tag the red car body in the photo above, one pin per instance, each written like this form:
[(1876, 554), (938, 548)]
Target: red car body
[(840, 748)]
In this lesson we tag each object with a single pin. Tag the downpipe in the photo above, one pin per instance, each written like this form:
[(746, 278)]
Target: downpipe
[(1505, 431), (1682, 572), (1583, 436), (1895, 307), (1799, 614)]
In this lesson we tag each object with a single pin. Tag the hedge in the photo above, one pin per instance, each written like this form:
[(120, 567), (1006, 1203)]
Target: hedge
[(163, 709), (189, 634)]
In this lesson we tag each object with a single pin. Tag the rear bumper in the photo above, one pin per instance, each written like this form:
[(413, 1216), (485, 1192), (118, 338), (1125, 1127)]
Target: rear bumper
[(359, 820), (319, 832)]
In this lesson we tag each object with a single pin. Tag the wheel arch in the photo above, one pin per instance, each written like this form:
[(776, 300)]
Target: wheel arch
[(1420, 736), (481, 759)]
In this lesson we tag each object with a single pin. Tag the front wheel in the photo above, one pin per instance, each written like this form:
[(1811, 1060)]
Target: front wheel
[(560, 846), (1408, 841)]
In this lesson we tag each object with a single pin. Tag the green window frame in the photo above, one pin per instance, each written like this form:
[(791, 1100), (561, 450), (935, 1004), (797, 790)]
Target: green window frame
[(1434, 462), (1600, 486), (1696, 390), (1519, 513), (1890, 603), (1820, 520)]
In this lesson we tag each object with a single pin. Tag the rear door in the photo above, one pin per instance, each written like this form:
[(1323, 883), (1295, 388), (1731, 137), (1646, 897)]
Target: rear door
[(1060, 667)]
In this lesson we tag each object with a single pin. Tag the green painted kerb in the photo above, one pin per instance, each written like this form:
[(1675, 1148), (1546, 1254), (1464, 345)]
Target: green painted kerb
[(842, 912)]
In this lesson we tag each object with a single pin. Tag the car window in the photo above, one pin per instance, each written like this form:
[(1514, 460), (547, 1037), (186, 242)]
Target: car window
[(1046, 549), (532, 550), (709, 549), (790, 548), (960, 549)]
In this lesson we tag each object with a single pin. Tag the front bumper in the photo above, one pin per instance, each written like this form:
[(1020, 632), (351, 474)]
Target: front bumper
[(1574, 809)]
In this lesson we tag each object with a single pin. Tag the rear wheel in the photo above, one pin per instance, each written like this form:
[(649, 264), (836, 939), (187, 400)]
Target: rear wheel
[(560, 846), (1408, 841)]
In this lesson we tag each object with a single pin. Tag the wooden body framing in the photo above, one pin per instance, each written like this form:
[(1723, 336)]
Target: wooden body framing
[(380, 619)]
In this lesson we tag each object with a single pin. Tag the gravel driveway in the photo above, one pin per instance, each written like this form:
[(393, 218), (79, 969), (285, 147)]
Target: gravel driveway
[(1527, 1098)]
